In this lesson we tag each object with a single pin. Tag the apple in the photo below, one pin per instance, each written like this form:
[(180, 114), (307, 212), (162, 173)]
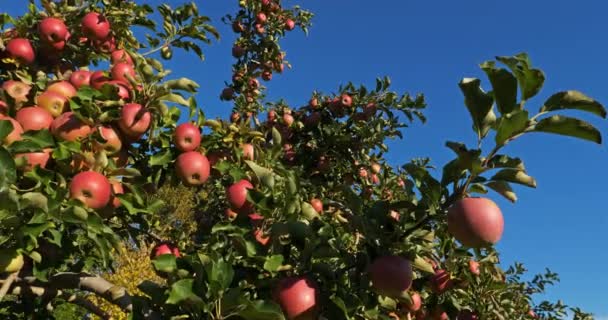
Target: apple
[(80, 78), (230, 214), (441, 281), (259, 28), (34, 118), (363, 173), (112, 144), (53, 30), (237, 194), (95, 26), (192, 168), (21, 49), (474, 267), (261, 237), (227, 94), (289, 153), (439, 314), (122, 71), (317, 205), (415, 302), (117, 188), (69, 127), (16, 90), (64, 88), (375, 179), (265, 3), (238, 51), (272, 116), (237, 27), (391, 275), (288, 119), (135, 120), (52, 102), (165, 248), (532, 314), (91, 188), (119, 56), (187, 137), (98, 79), (10, 261), (346, 100), (15, 134), (105, 45), (297, 297), (290, 25), (33, 159), (123, 91), (475, 222), (248, 151), (261, 18), (376, 167), (395, 215), (3, 108)]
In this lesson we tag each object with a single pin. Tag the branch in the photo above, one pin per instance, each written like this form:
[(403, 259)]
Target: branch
[(7, 284), (41, 291)]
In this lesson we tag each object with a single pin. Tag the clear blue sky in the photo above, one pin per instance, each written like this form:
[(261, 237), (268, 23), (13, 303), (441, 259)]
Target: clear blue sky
[(428, 46)]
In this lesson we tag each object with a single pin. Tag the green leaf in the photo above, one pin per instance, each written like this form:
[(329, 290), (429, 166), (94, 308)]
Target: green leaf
[(276, 137), (504, 161), (341, 305), (515, 176), (479, 104), (503, 188), (8, 170), (530, 80), (6, 127), (161, 159), (261, 310), (264, 175), (423, 265), (504, 86), (273, 262), (165, 263), (511, 124), (176, 98), (182, 291), (568, 126), (221, 272), (573, 100), (35, 200)]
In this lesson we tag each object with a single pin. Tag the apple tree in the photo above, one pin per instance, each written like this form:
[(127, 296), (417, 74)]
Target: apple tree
[(286, 212)]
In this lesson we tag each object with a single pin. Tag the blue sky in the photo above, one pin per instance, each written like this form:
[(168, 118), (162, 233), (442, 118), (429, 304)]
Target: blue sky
[(428, 46)]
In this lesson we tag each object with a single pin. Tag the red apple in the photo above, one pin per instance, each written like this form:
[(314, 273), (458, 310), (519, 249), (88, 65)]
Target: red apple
[(416, 302), (69, 127), (237, 194), (261, 18), (192, 168), (95, 26), (346, 100), (53, 30), (16, 90), (21, 49), (267, 75), (439, 314), (121, 55), (289, 153), (474, 267), (80, 78), (317, 205), (227, 94), (297, 297), (165, 248), (248, 151), (290, 25), (375, 179), (123, 91), (91, 188), (34, 159), (52, 102), (475, 222), (98, 79), (112, 144), (230, 214), (259, 28), (238, 51), (441, 281), (391, 275), (105, 45), (135, 120), (187, 137), (261, 237), (288, 119), (122, 70), (272, 116), (117, 188), (63, 88), (15, 135), (34, 118)]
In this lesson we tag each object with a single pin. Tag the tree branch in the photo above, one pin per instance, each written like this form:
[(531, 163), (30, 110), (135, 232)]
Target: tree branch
[(7, 284)]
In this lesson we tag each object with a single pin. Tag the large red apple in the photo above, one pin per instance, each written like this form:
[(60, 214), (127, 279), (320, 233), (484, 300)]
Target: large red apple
[(119, 56), (261, 18), (474, 267), (165, 248), (53, 30), (441, 281), (416, 302), (34, 118), (21, 49), (91, 188), (16, 90), (122, 71), (95, 26), (117, 188), (290, 25), (317, 205), (98, 78), (475, 222), (297, 297), (187, 137), (69, 127), (52, 102), (248, 151), (64, 88), (80, 78), (237, 194), (135, 120), (112, 143), (15, 135), (391, 275), (192, 168), (33, 159)]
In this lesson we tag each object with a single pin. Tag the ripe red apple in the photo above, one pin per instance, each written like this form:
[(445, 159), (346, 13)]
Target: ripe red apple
[(272, 116), (475, 222), (112, 144), (297, 297), (261, 237), (317, 205), (122, 70), (95, 26), (91, 188), (474, 267), (248, 151), (187, 137), (259, 28), (123, 91), (290, 25), (53, 30), (395, 215), (16, 90), (80, 78), (105, 45), (391, 275), (416, 302), (237, 194), (267, 75), (21, 49), (63, 88), (52, 102), (532, 314), (15, 135), (119, 56), (165, 248), (288, 119), (34, 118), (441, 281), (34, 159), (69, 127), (227, 94), (346, 100), (375, 179), (230, 214), (192, 168), (238, 51), (261, 18), (98, 78), (117, 188), (135, 120)]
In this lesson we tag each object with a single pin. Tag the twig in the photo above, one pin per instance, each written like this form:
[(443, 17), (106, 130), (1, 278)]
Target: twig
[(7, 284)]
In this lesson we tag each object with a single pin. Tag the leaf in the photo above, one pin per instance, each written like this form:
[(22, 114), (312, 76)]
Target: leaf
[(423, 265), (504, 161), (165, 263), (182, 291), (36, 200), (176, 98), (273, 262), (8, 170), (222, 273), (504, 86), (573, 100), (6, 127), (341, 305), (511, 124), (261, 310), (515, 176), (264, 175), (568, 126), (530, 80), (479, 104), (161, 159), (276, 137), (503, 188)]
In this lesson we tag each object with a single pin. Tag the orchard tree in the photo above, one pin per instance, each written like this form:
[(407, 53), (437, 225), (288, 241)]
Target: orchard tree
[(294, 212)]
